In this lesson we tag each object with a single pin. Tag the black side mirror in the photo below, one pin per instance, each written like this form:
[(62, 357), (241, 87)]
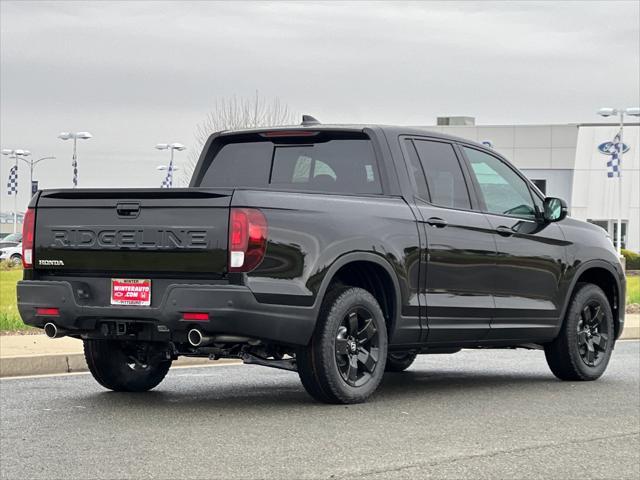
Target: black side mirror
[(555, 209)]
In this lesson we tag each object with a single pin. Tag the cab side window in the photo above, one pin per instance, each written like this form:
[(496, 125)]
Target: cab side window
[(416, 170), (445, 180), (504, 191)]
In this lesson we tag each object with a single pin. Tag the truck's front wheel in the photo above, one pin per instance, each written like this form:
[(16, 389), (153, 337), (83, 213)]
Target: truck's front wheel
[(345, 360), (583, 348), (125, 366)]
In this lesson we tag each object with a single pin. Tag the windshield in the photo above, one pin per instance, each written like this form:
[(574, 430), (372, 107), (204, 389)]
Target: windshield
[(14, 237)]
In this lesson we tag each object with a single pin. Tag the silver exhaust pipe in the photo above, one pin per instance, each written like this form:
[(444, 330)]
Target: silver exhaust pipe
[(51, 331), (196, 339)]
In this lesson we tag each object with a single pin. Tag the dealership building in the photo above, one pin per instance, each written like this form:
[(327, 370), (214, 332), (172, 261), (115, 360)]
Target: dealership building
[(565, 161)]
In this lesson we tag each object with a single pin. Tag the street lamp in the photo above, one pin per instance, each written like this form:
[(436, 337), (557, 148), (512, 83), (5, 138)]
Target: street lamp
[(32, 163), (620, 112), (170, 168), (75, 136), (13, 189)]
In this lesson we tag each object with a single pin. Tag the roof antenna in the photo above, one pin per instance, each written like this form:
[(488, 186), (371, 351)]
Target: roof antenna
[(309, 120)]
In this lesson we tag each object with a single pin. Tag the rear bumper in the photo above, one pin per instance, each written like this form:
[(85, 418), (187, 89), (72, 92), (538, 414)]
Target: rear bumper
[(232, 309)]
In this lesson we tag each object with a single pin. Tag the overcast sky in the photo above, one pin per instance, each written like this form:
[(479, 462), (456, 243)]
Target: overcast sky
[(138, 73)]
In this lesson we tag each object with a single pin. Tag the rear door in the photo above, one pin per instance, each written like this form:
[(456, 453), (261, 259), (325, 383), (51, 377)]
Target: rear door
[(460, 246), (530, 252)]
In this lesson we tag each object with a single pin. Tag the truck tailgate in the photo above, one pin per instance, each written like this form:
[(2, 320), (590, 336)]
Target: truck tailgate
[(132, 230)]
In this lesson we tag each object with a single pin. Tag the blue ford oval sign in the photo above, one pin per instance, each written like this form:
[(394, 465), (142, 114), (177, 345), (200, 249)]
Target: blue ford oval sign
[(608, 148)]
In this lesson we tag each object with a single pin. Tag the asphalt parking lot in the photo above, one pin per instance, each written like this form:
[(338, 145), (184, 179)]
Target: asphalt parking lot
[(475, 414)]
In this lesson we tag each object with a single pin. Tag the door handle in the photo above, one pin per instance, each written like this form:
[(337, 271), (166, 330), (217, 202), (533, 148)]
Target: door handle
[(437, 222), (128, 210), (504, 231)]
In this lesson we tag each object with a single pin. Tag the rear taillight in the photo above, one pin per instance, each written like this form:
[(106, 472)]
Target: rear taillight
[(28, 231), (247, 239)]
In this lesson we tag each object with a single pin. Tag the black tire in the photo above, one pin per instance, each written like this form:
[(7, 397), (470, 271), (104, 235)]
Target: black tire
[(16, 259), (582, 350), (399, 361), (345, 359), (113, 368)]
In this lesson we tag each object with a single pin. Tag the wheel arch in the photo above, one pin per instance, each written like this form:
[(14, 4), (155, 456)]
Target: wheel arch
[(372, 273), (605, 276)]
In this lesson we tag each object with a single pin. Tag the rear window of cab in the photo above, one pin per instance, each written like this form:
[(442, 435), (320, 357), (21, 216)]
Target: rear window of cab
[(329, 163)]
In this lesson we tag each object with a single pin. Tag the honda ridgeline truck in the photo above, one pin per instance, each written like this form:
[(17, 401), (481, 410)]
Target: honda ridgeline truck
[(339, 252)]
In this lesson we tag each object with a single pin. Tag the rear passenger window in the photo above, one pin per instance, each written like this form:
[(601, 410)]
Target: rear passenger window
[(416, 170), (446, 183), (341, 165)]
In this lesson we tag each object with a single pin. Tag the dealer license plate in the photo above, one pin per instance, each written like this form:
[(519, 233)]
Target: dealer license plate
[(126, 291)]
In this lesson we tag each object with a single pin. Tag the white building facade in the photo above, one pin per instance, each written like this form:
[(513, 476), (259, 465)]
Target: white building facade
[(565, 161)]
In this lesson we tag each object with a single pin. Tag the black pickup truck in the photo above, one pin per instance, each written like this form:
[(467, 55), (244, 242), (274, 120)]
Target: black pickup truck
[(337, 251)]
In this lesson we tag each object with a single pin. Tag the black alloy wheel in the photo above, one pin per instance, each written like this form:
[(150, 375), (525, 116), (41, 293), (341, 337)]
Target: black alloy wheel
[(344, 361), (584, 345), (593, 334), (357, 351)]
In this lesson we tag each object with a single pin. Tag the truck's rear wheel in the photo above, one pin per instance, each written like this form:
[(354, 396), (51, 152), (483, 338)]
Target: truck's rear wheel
[(345, 360), (583, 348), (118, 365), (399, 361)]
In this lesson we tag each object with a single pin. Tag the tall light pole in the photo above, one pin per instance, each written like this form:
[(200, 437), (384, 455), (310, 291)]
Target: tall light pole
[(621, 112), (32, 163), (171, 147), (75, 136), (164, 168), (15, 154)]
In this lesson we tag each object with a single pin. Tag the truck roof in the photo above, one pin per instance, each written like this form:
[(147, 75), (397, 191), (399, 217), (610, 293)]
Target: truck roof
[(392, 130)]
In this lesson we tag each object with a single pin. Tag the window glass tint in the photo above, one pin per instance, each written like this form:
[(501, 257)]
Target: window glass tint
[(445, 180), (341, 166), (504, 192), (240, 165), (416, 170), (336, 166)]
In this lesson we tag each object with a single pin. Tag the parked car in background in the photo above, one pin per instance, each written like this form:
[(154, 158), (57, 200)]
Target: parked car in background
[(11, 254), (11, 240)]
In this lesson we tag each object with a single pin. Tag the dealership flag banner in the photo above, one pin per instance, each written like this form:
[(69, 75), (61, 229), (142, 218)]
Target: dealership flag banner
[(616, 151), (12, 184), (168, 180), (74, 164)]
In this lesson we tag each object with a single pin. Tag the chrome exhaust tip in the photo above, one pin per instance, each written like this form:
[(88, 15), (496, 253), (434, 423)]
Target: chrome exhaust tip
[(51, 331), (195, 337)]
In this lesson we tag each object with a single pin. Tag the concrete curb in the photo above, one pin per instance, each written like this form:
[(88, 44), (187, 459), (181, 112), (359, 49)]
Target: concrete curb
[(630, 332), (25, 365)]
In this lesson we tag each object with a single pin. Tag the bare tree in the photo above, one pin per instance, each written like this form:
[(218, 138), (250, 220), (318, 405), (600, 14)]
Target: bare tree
[(235, 113)]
